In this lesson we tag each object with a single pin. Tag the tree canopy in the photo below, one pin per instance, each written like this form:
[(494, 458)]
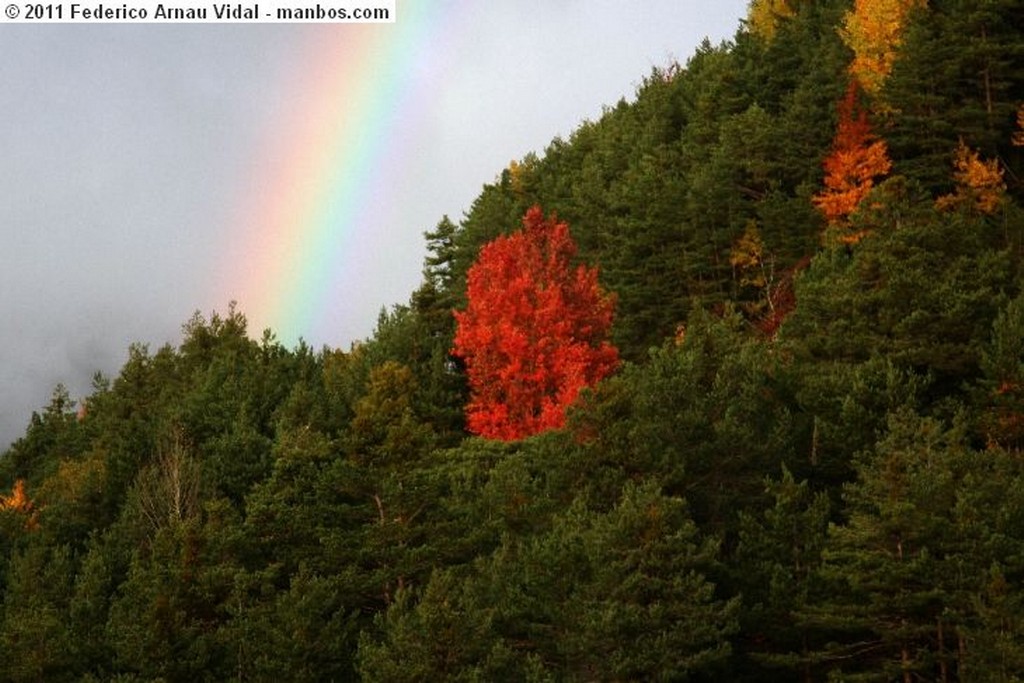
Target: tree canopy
[(793, 453), (534, 330)]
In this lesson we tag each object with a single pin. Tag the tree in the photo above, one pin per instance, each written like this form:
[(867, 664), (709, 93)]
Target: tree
[(777, 561), (893, 560), (923, 290), (763, 17), (857, 158), (640, 606), (168, 490), (614, 595), (754, 271), (1018, 135), (18, 500), (958, 75), (747, 258), (534, 330), (706, 418), (1002, 364), (34, 636), (21, 505), (873, 30), (441, 637), (919, 570), (979, 184), (440, 247)]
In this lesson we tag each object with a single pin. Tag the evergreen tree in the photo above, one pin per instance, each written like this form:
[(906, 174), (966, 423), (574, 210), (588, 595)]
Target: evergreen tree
[(779, 558)]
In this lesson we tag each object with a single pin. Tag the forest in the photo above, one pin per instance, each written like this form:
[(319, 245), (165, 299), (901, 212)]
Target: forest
[(726, 386)]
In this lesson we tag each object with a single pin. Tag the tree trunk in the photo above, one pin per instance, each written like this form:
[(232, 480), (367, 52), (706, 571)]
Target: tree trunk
[(943, 666), (986, 74), (961, 655)]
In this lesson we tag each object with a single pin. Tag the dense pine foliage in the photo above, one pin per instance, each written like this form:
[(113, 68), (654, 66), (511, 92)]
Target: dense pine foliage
[(808, 466)]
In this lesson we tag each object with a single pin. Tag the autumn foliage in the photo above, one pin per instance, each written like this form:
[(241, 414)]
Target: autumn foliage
[(856, 160), (1018, 135), (874, 31), (534, 331), (979, 183), (18, 501), (763, 16)]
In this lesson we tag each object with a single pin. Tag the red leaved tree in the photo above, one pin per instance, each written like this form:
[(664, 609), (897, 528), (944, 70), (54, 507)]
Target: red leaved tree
[(534, 331)]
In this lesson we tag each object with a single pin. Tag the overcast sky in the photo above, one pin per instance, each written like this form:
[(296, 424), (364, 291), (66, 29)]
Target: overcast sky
[(123, 150)]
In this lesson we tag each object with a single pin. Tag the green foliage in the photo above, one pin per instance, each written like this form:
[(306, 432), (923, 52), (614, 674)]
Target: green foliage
[(708, 416), (34, 635), (779, 557), (999, 395), (438, 638), (957, 77), (619, 594), (916, 568), (304, 632), (921, 289)]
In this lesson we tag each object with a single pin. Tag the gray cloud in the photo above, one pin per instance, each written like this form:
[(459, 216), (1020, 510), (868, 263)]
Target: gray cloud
[(122, 144)]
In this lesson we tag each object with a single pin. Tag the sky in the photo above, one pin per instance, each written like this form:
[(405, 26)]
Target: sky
[(149, 172)]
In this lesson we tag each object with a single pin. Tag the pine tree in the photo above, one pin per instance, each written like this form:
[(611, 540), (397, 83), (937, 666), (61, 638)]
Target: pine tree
[(891, 591), (958, 76), (778, 559)]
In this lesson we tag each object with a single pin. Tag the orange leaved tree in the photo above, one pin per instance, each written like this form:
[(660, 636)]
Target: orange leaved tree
[(856, 160), (19, 502), (979, 183), (534, 331)]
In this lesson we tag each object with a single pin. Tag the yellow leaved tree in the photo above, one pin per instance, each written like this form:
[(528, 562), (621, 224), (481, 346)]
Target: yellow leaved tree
[(874, 31), (979, 183), (764, 15)]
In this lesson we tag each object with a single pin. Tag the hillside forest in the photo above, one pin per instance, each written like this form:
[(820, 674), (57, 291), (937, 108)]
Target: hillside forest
[(726, 386)]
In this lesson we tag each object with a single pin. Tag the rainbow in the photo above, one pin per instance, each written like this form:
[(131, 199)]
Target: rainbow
[(309, 204)]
